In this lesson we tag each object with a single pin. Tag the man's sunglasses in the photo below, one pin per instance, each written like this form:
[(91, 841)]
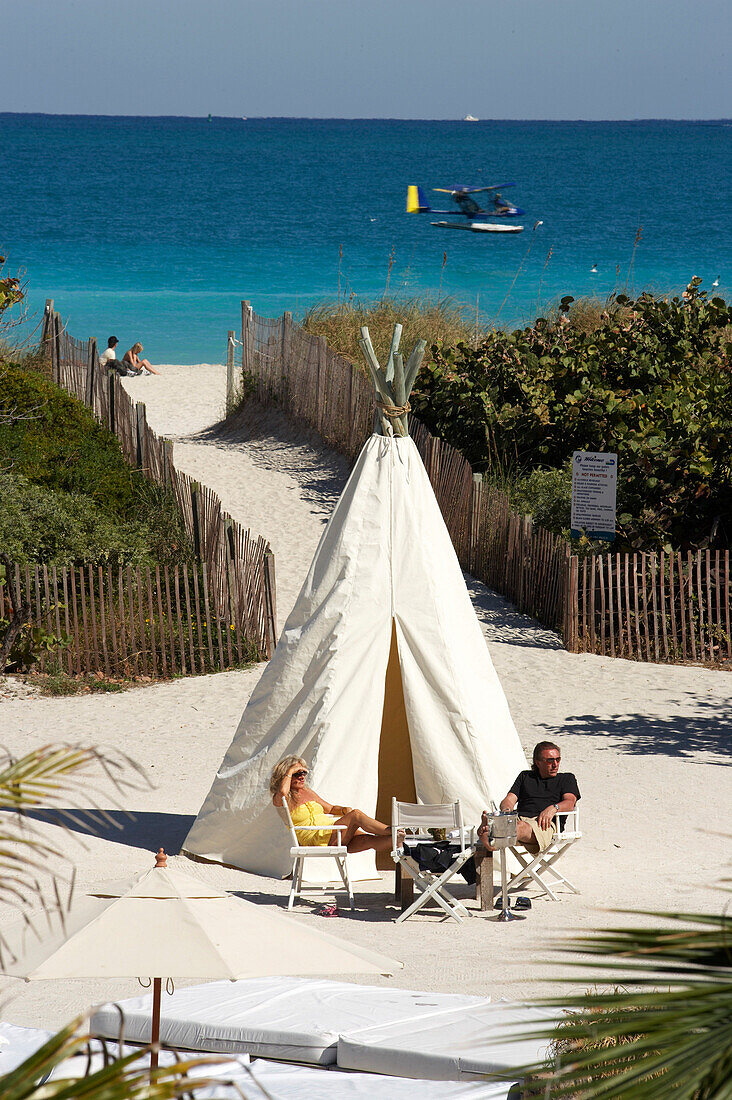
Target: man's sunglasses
[(299, 775)]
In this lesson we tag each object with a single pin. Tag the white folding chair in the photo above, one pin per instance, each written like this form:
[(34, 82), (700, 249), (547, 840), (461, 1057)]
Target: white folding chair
[(539, 866), (300, 852), (431, 884)]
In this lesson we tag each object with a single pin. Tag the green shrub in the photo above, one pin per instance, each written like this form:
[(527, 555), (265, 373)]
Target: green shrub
[(51, 438), (546, 495), (33, 642), (38, 524), (90, 505), (652, 383)]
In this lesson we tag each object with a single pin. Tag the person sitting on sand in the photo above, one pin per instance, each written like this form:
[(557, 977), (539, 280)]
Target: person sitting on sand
[(109, 355), (308, 808), (135, 363), (539, 794)]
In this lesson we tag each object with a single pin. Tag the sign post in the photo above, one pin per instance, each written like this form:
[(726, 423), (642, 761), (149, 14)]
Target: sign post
[(594, 487)]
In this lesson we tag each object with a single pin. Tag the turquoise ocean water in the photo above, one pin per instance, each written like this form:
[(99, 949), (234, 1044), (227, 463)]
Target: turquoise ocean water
[(155, 228)]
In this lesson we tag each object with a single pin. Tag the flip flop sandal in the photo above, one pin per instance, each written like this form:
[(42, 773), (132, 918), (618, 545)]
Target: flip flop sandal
[(326, 909), (522, 903)]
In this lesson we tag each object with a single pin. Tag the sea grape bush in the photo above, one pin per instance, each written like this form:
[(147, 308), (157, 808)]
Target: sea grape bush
[(46, 526), (651, 381), (54, 440), (66, 493)]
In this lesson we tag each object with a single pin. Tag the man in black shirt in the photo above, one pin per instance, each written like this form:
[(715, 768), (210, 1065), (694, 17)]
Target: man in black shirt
[(539, 794)]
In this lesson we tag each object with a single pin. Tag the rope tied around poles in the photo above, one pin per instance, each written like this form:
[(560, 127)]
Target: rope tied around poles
[(393, 412)]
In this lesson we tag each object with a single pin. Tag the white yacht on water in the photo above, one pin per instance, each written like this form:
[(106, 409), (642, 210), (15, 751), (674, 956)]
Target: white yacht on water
[(471, 118)]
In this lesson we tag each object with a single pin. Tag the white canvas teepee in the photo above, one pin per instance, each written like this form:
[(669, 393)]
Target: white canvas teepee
[(381, 680)]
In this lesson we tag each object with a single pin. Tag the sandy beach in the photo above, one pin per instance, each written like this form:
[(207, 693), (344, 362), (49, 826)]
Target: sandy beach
[(649, 744)]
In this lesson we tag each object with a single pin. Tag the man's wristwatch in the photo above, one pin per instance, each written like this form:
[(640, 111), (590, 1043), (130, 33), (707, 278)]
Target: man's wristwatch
[(556, 807)]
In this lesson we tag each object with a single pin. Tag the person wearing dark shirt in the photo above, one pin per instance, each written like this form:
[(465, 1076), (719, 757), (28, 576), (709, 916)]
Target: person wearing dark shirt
[(538, 794)]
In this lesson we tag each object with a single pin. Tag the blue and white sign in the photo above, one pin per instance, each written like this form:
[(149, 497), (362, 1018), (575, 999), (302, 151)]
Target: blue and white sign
[(594, 489)]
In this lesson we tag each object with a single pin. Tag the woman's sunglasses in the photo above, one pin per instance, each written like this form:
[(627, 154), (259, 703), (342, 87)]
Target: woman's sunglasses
[(299, 775)]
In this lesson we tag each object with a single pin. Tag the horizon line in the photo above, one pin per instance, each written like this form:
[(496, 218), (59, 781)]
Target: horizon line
[(347, 118)]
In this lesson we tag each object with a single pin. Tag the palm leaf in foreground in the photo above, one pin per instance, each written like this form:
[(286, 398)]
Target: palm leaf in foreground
[(127, 1078), (47, 781), (665, 1030)]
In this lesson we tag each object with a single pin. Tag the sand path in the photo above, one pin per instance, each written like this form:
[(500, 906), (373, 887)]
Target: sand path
[(280, 485), (650, 745)]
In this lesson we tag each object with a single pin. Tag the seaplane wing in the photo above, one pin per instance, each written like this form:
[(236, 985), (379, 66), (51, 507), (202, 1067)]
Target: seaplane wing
[(461, 189)]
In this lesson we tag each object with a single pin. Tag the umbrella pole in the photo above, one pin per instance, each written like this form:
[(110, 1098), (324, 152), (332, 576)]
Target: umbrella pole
[(161, 860), (155, 1031)]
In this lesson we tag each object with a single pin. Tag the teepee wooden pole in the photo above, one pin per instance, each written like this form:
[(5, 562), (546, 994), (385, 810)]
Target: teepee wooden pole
[(393, 385), (414, 362), (400, 396), (368, 349), (395, 340)]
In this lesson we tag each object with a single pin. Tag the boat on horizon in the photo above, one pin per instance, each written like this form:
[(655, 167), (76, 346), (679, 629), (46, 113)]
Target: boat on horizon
[(471, 118)]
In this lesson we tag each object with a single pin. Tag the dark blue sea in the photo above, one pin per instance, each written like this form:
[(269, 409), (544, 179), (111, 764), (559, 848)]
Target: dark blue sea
[(155, 228)]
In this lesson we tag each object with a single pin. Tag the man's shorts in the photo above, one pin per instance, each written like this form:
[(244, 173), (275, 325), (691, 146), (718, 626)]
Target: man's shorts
[(544, 837)]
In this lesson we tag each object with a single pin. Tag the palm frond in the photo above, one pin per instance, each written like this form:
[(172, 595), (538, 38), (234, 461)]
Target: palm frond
[(49, 775), (664, 1030), (44, 785), (126, 1078)]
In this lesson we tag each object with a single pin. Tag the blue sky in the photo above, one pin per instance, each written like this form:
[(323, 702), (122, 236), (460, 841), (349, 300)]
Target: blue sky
[(590, 59)]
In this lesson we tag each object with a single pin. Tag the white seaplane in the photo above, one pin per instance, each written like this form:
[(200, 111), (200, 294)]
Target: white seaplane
[(468, 208)]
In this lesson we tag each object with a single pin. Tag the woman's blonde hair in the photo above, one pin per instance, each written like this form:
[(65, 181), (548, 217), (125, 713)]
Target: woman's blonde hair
[(281, 769), (137, 348)]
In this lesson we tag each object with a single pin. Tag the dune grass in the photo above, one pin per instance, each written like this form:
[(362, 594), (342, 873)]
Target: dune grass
[(434, 320)]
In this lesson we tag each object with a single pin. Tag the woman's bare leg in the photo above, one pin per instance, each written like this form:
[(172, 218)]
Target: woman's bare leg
[(362, 821), (347, 834), (362, 842), (361, 830)]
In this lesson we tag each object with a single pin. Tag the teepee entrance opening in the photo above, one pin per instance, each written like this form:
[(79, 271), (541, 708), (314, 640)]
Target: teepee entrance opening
[(396, 767)]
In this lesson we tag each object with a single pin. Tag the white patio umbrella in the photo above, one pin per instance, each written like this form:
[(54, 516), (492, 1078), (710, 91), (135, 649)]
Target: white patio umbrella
[(166, 924)]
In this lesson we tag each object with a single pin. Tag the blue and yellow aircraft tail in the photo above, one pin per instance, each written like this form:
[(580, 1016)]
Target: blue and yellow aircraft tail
[(416, 202)]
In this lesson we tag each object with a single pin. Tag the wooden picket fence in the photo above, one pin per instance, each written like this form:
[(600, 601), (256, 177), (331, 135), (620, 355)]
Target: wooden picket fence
[(654, 606), (647, 607), (212, 614), (129, 622)]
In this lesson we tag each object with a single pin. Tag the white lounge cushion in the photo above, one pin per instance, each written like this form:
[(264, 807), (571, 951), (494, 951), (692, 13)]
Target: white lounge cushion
[(18, 1043), (287, 1082), (451, 1046), (78, 1066), (294, 1019)]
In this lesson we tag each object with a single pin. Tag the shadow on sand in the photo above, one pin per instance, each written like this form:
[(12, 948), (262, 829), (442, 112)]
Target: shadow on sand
[(275, 441), (138, 829), (503, 623), (371, 907), (707, 729)]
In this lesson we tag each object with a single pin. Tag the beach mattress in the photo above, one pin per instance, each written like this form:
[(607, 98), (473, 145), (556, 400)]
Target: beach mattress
[(292, 1019), (478, 1040), (18, 1043), (79, 1065), (288, 1082)]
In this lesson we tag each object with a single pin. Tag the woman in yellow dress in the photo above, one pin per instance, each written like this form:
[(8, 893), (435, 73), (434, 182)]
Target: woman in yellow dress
[(361, 832)]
